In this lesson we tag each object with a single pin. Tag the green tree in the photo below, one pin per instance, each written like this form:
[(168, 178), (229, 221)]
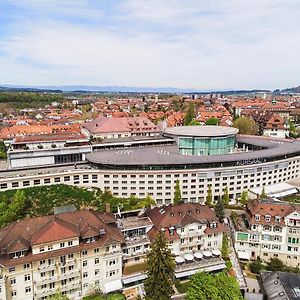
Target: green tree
[(3, 154), (209, 196), (224, 249), (256, 266), (246, 126), (177, 193), (226, 198), (228, 287), (244, 197), (195, 123), (190, 115), (204, 286), (160, 272), (212, 121), (219, 210), (293, 129), (149, 201), (58, 296), (275, 264), (263, 194)]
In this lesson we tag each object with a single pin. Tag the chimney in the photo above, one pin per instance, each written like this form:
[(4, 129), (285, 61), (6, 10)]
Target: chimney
[(107, 207)]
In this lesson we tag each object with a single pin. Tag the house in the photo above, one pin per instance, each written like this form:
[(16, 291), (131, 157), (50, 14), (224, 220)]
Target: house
[(113, 127)]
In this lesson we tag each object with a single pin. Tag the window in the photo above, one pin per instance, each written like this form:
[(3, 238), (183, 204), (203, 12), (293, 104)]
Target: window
[(97, 271), (96, 250), (96, 260), (52, 285), (62, 245), (14, 293), (27, 277), (27, 266), (84, 263), (85, 274), (13, 281), (28, 290), (70, 243)]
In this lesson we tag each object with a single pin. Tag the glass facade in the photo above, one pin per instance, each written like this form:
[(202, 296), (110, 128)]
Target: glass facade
[(206, 146)]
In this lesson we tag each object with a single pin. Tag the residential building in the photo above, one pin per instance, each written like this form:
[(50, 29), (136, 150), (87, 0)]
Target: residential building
[(269, 229), (75, 252), (105, 128)]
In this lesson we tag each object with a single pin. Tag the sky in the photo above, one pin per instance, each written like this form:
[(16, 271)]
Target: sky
[(197, 44)]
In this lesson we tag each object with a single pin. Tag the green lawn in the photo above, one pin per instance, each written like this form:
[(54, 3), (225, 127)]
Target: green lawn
[(135, 268), (291, 198), (111, 296), (182, 286)]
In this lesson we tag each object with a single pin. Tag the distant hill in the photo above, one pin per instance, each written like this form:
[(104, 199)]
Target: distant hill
[(291, 90), (123, 89)]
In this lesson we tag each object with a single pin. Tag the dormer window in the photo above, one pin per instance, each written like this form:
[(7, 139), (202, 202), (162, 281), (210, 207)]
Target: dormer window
[(90, 240), (268, 218), (18, 254), (257, 217), (277, 219)]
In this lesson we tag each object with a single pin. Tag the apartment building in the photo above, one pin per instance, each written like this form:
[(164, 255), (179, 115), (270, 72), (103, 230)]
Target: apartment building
[(75, 252), (82, 251), (269, 229), (189, 227)]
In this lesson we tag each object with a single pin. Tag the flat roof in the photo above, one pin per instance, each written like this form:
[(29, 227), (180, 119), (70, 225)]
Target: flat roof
[(202, 131), (169, 155)]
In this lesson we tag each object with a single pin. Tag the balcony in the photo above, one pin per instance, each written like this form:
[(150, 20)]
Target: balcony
[(71, 286), (68, 262), (45, 280), (69, 274), (45, 292), (47, 267)]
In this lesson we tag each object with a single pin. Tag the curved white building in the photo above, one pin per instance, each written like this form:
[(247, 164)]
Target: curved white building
[(258, 161)]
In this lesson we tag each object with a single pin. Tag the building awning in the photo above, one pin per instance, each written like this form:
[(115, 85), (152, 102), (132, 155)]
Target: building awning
[(114, 285), (243, 255), (135, 278), (186, 273), (207, 269), (276, 190), (214, 268)]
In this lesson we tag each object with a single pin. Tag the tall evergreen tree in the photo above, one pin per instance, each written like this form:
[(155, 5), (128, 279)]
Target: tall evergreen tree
[(160, 272), (224, 249), (177, 193), (209, 196), (244, 198), (189, 116), (219, 210), (263, 193), (226, 198)]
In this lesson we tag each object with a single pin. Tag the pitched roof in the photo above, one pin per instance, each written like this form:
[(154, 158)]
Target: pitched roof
[(48, 229), (269, 208), (180, 215), (124, 124)]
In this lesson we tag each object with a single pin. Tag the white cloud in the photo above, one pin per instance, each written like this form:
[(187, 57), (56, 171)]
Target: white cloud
[(198, 44)]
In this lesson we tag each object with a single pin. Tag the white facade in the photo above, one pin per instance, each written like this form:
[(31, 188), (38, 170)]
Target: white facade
[(276, 132), (75, 274), (160, 184), (271, 240)]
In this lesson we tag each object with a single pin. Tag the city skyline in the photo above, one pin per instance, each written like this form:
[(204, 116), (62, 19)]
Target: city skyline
[(190, 45)]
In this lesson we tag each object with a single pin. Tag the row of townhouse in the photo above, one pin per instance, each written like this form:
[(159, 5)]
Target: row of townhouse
[(77, 252), (269, 229)]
